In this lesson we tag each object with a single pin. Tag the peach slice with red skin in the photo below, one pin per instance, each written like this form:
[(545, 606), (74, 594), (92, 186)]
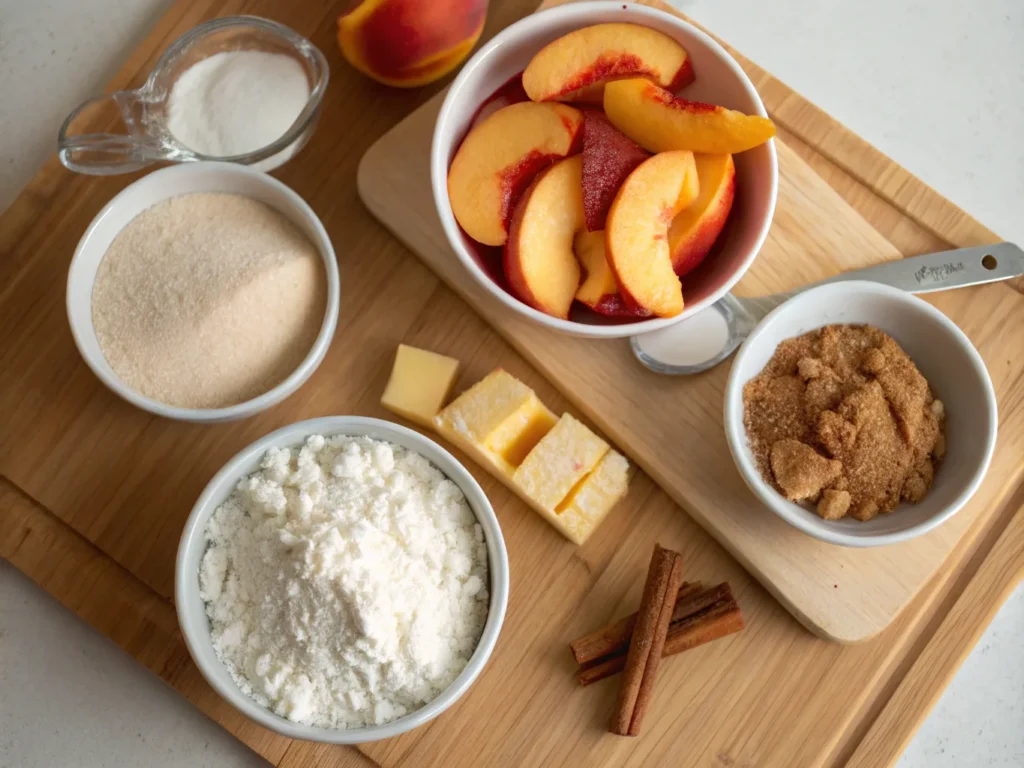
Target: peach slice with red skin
[(576, 65), (637, 231), (661, 122), (609, 156), (695, 229), (510, 93), (599, 291), (540, 265), (500, 157)]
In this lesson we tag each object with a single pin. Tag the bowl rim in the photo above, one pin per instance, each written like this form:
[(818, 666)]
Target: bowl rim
[(439, 167), (186, 593), (787, 510), (284, 389)]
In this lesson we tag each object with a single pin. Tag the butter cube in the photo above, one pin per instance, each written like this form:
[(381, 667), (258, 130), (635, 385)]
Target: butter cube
[(419, 385), (583, 510), (562, 458), (497, 421), (559, 467)]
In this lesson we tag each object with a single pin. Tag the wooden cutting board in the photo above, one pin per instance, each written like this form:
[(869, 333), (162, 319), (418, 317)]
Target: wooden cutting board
[(94, 493), (672, 426)]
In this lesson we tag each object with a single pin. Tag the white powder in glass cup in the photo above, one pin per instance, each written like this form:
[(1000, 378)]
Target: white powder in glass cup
[(237, 102)]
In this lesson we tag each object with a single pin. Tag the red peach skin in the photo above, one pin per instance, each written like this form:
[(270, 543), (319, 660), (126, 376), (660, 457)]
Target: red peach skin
[(609, 156), (407, 43)]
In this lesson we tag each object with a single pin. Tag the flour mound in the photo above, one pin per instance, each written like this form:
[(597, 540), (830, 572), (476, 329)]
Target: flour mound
[(345, 582)]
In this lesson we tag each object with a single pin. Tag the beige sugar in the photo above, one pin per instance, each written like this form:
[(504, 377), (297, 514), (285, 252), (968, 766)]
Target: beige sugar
[(207, 300)]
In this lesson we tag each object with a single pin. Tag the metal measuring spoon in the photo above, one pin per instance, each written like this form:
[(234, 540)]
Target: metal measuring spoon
[(709, 337)]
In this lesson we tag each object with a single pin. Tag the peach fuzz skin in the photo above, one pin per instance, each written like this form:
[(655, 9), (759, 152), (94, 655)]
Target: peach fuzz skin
[(540, 265), (407, 43), (637, 231), (659, 121), (575, 66), (695, 229), (609, 156)]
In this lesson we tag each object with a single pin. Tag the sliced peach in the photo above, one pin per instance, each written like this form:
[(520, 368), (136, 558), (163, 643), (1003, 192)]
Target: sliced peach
[(599, 291), (660, 122), (576, 65), (637, 234), (499, 158), (609, 156), (539, 261), (590, 94), (510, 93), (696, 228)]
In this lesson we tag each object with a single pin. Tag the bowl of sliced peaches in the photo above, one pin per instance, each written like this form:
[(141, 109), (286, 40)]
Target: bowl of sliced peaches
[(605, 169)]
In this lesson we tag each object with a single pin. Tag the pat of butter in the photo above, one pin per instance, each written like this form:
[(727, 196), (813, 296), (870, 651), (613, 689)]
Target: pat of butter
[(497, 421), (419, 385), (559, 467), (561, 459), (583, 510)]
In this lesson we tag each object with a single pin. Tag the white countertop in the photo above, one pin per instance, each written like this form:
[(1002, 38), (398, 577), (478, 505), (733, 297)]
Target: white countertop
[(937, 85)]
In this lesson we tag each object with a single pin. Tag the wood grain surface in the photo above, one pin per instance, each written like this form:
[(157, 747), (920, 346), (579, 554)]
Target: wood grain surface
[(94, 493)]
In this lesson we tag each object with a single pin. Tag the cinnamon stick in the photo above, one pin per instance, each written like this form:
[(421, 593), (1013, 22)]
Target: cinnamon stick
[(614, 637), (718, 621), (698, 602), (664, 576)]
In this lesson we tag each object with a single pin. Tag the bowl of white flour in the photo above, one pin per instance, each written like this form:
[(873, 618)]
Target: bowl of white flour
[(342, 579)]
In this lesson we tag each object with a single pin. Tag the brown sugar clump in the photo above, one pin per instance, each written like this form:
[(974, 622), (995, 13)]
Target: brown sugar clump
[(834, 504), (842, 416), (800, 471)]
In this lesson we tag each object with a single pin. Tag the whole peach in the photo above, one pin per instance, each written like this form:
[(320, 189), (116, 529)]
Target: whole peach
[(407, 43)]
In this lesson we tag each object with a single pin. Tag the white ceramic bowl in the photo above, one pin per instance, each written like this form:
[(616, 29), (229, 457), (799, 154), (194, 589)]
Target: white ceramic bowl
[(943, 354), (182, 180), (720, 80), (192, 611)]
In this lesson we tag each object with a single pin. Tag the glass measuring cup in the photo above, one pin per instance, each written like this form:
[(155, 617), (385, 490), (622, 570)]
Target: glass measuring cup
[(90, 142)]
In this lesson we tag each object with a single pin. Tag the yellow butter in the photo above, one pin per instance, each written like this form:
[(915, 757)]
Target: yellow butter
[(561, 459), (586, 506), (497, 421), (419, 385), (559, 467)]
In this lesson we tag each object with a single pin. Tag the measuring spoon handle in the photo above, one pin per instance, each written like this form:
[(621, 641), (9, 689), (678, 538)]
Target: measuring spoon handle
[(944, 270)]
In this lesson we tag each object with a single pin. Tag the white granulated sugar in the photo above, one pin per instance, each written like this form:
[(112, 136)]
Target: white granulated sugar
[(346, 582), (236, 102)]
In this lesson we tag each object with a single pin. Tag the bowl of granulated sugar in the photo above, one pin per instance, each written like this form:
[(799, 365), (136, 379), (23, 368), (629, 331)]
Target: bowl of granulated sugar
[(204, 292)]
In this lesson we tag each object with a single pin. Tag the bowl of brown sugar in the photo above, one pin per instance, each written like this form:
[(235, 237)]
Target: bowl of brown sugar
[(204, 292), (860, 414)]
